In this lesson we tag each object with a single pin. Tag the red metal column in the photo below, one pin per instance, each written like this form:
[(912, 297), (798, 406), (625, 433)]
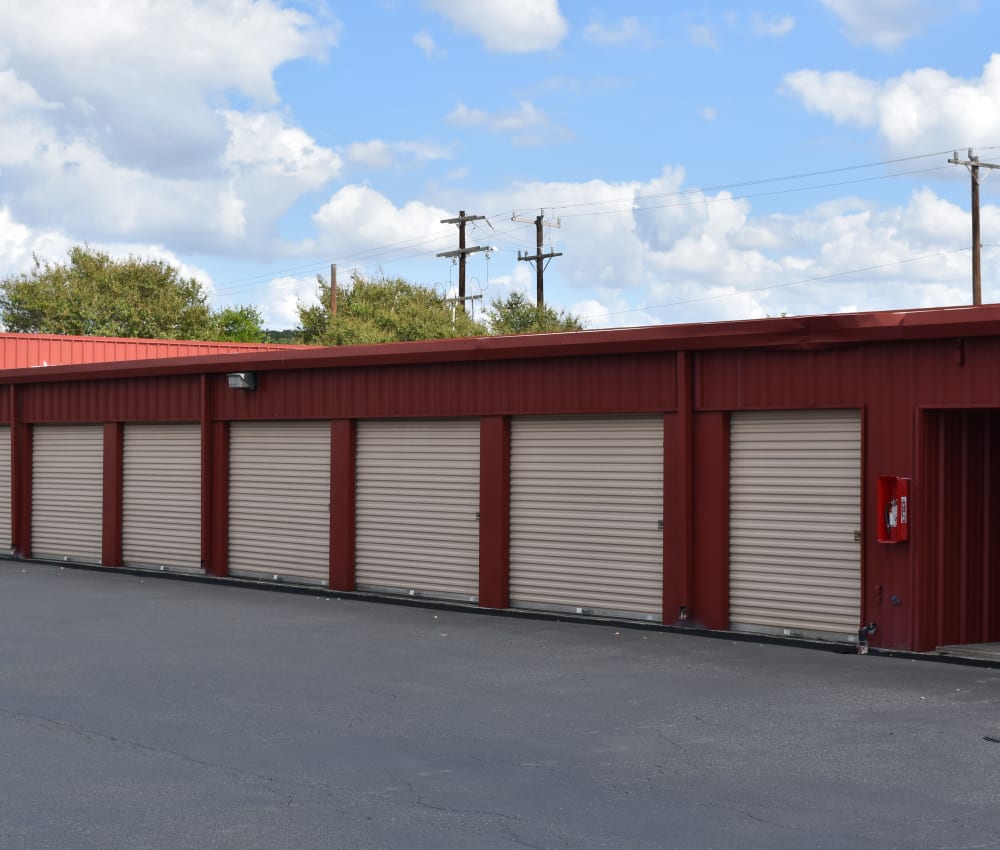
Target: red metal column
[(678, 483), (216, 532), (20, 482), (111, 525), (494, 512), (343, 466)]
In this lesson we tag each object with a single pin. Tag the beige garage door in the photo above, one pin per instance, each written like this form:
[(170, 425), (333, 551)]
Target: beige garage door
[(161, 506), (417, 498), (67, 492), (586, 514), (795, 508), (279, 500)]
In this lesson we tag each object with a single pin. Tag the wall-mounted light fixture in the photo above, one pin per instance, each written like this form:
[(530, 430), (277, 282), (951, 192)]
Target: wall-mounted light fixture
[(242, 380)]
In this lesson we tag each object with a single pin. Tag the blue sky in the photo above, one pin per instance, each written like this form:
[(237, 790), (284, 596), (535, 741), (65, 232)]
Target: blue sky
[(705, 160)]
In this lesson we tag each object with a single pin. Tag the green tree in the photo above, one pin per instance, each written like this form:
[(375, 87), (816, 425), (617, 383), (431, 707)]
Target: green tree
[(239, 324), (517, 315), (382, 310), (96, 294)]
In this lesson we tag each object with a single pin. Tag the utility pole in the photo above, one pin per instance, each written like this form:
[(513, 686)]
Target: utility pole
[(538, 257), (333, 289), (462, 251), (973, 164)]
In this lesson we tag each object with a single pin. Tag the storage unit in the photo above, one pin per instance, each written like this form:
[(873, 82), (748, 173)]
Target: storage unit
[(795, 522), (279, 500), (586, 514), (417, 507), (161, 505), (5, 492), (67, 492)]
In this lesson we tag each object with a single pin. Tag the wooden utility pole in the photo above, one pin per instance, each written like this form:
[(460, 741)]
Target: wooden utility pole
[(333, 289), (973, 164), (462, 251), (538, 257)]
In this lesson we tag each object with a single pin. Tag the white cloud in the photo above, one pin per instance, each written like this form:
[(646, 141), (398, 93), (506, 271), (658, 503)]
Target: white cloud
[(921, 110), (358, 218), (886, 24), (702, 35), (103, 61), (425, 42), (527, 125), (776, 27), (629, 31), (281, 300), (709, 113), (377, 153), (507, 26), (115, 123)]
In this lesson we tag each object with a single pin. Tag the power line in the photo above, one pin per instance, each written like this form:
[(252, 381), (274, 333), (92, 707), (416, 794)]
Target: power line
[(377, 252), (814, 279)]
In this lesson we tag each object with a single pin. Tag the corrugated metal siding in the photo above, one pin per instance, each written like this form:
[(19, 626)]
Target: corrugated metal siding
[(586, 504), (613, 384), (67, 492), (417, 501), (5, 492), (279, 499), (795, 505), (161, 505), (162, 399), (959, 527), (18, 351)]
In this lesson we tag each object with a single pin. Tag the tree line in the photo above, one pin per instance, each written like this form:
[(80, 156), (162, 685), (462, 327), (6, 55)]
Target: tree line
[(95, 294)]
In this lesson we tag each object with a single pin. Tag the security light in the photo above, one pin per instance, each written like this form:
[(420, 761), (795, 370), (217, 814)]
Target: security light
[(242, 380)]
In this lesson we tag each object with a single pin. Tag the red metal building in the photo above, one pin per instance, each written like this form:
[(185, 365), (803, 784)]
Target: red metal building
[(18, 351), (739, 475)]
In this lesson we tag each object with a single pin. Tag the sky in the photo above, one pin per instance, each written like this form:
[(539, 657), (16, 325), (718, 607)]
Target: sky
[(694, 160)]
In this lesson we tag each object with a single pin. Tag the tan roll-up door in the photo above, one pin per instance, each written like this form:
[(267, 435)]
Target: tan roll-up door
[(279, 500), (794, 513), (67, 492), (417, 498), (5, 491), (161, 504), (586, 513)]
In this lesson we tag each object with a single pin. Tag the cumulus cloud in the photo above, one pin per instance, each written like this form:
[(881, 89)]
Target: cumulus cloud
[(359, 218), (920, 110), (886, 24), (116, 123), (629, 31), (527, 125), (507, 26)]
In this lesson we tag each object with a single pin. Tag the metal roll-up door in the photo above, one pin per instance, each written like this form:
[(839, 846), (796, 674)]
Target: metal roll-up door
[(279, 500), (5, 492), (417, 498), (586, 514), (161, 504), (794, 522), (67, 492)]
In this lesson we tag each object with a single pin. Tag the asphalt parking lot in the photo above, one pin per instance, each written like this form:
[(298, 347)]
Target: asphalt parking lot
[(138, 712)]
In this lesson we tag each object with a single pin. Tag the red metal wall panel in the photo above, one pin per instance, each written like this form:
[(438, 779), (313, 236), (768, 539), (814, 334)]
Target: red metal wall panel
[(711, 520), (112, 513), (19, 351), (166, 399), (625, 383), (959, 529)]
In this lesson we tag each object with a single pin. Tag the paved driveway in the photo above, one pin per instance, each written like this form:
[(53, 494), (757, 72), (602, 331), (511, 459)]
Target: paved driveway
[(148, 713)]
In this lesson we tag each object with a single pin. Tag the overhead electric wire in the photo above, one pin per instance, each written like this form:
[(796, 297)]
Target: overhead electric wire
[(814, 279), (377, 254)]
